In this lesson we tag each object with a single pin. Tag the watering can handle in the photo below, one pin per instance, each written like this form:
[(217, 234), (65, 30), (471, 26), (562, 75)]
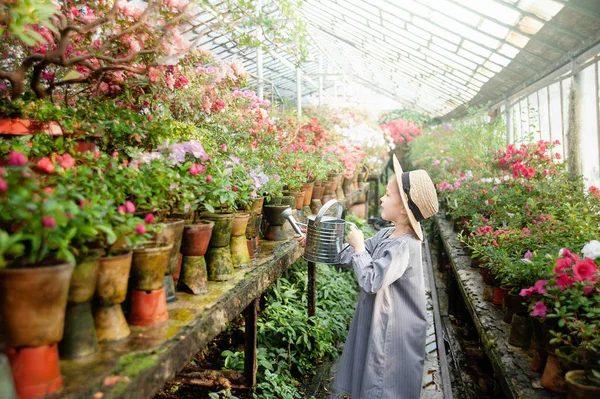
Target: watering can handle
[(324, 209)]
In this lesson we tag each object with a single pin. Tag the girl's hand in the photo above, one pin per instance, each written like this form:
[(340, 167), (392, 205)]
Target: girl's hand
[(301, 239), (356, 238)]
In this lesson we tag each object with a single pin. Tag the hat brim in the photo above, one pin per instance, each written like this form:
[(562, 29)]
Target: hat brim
[(416, 226)]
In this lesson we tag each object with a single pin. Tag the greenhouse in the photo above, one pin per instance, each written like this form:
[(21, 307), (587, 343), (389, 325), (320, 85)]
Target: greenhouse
[(290, 199)]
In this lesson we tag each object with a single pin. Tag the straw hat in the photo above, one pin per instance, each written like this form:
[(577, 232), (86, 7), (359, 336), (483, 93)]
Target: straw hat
[(418, 195)]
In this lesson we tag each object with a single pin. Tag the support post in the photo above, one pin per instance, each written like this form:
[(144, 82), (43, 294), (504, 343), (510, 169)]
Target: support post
[(509, 122), (250, 362), (320, 80), (573, 131), (312, 288), (298, 92)]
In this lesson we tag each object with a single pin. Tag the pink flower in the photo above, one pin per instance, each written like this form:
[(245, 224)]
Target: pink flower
[(562, 264), (121, 209), (584, 270), (46, 165), (539, 309), (528, 255), (563, 281), (436, 162), (115, 154), (538, 287), (49, 222), (66, 161), (129, 207), (196, 168), (149, 218), (209, 178), (224, 147), (3, 185), (526, 291), (17, 159), (140, 229)]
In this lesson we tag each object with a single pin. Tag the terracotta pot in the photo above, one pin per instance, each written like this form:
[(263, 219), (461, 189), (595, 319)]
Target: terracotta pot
[(194, 277), (250, 245), (196, 238), (257, 205), (348, 186), (553, 376), (219, 265), (221, 234), (327, 197), (240, 257), (32, 304), (113, 276), (80, 338), (359, 210), (307, 188), (83, 280), (188, 216), (289, 200), (580, 387), (7, 385), (172, 234), (110, 323), (513, 304), (148, 307), (537, 347), (149, 265), (499, 294), (317, 192), (315, 205), (22, 127), (520, 330), (240, 222), (251, 230), (487, 275), (178, 271), (36, 370)]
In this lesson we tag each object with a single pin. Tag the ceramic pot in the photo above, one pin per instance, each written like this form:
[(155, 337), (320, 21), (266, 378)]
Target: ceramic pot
[(172, 233), (148, 307), (110, 323), (240, 222), (553, 375), (36, 370), (317, 193), (113, 277), (219, 264), (307, 188), (580, 387), (83, 280), (149, 265), (32, 304), (194, 276), (257, 205), (80, 337), (240, 257), (196, 238), (221, 234), (520, 330)]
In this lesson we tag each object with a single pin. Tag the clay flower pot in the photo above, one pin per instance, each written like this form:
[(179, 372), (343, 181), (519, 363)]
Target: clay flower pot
[(172, 234), (149, 265), (196, 238), (111, 286), (580, 387), (148, 307), (84, 279), (221, 234), (257, 205), (36, 370), (307, 188), (239, 224), (32, 304)]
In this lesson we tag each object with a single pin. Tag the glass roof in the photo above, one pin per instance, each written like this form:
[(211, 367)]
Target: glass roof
[(430, 55)]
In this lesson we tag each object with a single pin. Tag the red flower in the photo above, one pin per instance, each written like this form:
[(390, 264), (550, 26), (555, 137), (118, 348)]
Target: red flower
[(66, 161), (17, 159), (46, 165), (140, 229), (563, 281), (584, 270), (49, 222), (561, 264), (149, 218)]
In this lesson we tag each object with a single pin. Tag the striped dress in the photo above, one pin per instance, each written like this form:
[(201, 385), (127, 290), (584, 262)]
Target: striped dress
[(385, 348)]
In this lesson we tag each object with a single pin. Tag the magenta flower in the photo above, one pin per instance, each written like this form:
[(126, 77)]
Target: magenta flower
[(17, 159), (129, 207), (49, 222), (66, 161), (196, 168), (584, 270), (209, 178), (121, 209), (528, 255), (140, 229), (149, 218), (526, 292), (224, 147), (3, 185), (539, 309), (563, 281), (538, 287)]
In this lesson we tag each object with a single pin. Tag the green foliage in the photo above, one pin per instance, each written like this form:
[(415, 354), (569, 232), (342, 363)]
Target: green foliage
[(17, 17)]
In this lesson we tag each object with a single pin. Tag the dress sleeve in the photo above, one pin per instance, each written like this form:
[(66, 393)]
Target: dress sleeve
[(375, 274), (348, 251)]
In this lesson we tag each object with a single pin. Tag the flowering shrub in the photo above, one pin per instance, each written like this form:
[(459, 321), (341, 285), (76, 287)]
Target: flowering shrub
[(402, 131)]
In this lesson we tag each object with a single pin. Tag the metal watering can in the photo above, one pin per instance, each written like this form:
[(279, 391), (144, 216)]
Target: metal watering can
[(325, 234)]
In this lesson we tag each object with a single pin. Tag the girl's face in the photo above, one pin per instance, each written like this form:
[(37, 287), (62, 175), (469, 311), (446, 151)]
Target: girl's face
[(392, 208)]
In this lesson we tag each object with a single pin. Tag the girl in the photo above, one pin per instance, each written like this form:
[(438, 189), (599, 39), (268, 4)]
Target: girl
[(385, 348)]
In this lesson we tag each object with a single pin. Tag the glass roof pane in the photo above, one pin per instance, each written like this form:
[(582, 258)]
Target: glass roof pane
[(418, 31), (508, 50), (494, 29), (545, 9), (445, 44), (517, 39), (470, 56), (454, 11), (493, 67), (494, 9), (428, 26), (530, 25), (476, 49), (498, 59), (391, 10)]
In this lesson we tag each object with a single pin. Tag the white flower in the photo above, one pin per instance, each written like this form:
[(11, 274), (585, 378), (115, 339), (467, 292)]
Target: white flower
[(591, 249)]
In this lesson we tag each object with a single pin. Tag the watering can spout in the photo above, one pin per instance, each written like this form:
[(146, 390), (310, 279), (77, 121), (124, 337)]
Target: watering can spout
[(287, 213)]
